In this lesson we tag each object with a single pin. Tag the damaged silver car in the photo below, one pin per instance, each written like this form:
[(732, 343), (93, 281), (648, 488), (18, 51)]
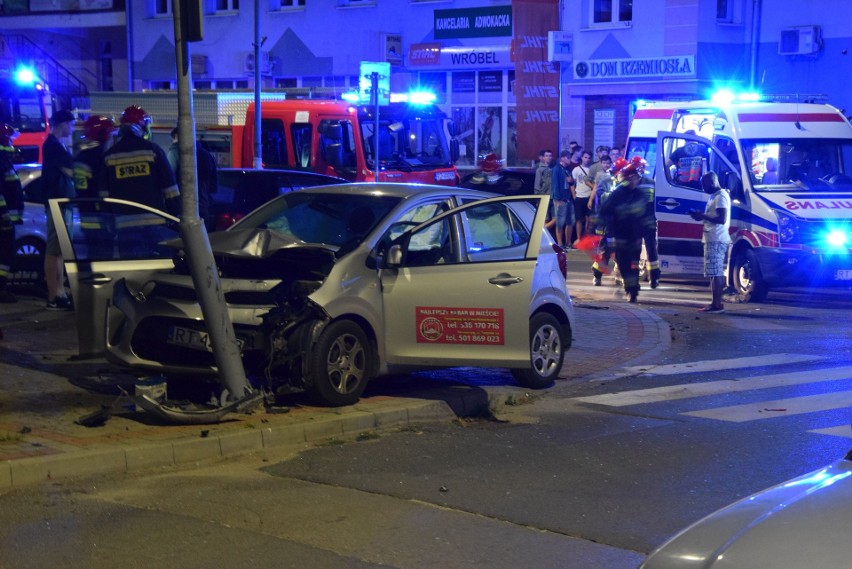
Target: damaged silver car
[(330, 287)]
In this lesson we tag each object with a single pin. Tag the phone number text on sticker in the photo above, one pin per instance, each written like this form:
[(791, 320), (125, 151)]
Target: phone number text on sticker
[(445, 325)]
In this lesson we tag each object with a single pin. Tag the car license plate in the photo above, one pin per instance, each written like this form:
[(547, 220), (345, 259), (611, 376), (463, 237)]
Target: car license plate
[(843, 275), (193, 339)]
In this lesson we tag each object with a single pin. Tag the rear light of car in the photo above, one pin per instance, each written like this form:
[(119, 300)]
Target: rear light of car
[(226, 220), (562, 257)]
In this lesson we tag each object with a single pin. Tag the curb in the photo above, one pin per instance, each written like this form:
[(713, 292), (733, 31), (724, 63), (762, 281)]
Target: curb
[(183, 452)]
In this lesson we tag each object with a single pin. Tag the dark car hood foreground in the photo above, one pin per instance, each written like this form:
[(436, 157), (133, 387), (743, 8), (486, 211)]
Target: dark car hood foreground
[(803, 522)]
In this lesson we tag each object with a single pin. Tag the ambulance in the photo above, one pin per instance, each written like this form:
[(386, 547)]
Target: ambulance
[(788, 168)]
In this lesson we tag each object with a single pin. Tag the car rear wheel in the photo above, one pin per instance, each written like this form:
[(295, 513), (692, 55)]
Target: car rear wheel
[(547, 351), (340, 365)]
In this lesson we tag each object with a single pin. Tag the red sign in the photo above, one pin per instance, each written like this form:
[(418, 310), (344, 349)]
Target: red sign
[(446, 325), (536, 78), (424, 54)]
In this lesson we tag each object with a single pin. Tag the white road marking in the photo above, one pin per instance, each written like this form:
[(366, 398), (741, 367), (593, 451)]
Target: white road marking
[(686, 391), (841, 431), (777, 408), (716, 365)]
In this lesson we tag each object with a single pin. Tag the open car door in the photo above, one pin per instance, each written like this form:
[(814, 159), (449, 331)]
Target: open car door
[(103, 241), (457, 289), (682, 159)]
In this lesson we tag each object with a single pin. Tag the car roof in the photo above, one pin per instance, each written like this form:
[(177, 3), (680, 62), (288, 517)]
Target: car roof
[(401, 191), (282, 171)]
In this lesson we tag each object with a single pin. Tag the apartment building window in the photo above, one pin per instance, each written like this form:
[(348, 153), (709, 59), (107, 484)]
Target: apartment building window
[(289, 4), (611, 12), (227, 5), (355, 3), (162, 7)]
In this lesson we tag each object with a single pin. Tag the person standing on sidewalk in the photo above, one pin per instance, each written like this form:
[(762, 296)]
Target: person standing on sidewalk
[(563, 199), (11, 203), (716, 238), (57, 178), (542, 184)]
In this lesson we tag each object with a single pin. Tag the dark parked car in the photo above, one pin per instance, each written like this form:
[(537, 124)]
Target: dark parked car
[(492, 177), (241, 190)]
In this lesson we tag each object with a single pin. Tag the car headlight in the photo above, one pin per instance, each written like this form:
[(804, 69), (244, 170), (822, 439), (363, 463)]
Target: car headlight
[(787, 229)]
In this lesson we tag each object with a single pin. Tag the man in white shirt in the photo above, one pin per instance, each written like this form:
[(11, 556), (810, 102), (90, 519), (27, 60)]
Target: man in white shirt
[(716, 237), (582, 191)]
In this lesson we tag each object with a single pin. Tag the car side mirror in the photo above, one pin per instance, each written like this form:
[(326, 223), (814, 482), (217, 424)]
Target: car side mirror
[(394, 256)]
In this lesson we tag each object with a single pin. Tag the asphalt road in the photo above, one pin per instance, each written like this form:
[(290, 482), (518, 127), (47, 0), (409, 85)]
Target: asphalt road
[(593, 473)]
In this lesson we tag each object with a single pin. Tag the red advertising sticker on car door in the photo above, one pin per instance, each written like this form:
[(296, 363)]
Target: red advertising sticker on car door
[(446, 325)]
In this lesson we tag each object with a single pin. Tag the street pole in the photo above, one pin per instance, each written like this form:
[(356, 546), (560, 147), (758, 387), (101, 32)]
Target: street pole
[(374, 98), (258, 147), (202, 266)]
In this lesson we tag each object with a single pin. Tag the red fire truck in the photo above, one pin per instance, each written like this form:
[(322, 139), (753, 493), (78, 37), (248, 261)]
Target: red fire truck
[(24, 104)]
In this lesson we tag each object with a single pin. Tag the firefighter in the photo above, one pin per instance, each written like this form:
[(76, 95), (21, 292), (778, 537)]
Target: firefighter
[(624, 209), (137, 170), (604, 185), (11, 203), (649, 234), (97, 134)]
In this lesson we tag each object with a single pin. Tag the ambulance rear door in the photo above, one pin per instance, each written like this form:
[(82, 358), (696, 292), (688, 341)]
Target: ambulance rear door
[(681, 161)]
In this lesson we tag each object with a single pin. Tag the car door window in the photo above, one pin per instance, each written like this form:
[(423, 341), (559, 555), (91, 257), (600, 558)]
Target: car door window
[(494, 232), (686, 162), (102, 231)]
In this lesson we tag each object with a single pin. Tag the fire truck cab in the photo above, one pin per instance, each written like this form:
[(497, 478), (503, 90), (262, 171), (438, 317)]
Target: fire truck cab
[(341, 139), (24, 105), (788, 168)]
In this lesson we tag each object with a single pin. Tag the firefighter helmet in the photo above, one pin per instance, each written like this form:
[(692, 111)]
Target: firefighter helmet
[(7, 134), (635, 165), (136, 119), (99, 128)]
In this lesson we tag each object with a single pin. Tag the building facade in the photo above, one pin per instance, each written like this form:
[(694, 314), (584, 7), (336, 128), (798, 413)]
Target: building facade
[(514, 76)]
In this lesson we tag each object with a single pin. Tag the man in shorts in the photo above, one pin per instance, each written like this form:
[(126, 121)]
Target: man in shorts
[(716, 238)]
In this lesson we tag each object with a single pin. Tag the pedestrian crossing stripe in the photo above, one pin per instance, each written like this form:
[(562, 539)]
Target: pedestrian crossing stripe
[(777, 408), (717, 365), (686, 391), (841, 431)]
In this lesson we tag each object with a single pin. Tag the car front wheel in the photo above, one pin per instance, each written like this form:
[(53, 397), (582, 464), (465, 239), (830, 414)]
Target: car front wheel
[(748, 281), (547, 351), (340, 365)]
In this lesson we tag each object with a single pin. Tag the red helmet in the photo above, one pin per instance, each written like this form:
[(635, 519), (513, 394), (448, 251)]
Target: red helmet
[(490, 163), (635, 165), (7, 134), (137, 119), (99, 128)]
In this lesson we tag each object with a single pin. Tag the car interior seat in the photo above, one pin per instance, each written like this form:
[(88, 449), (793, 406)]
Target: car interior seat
[(771, 174)]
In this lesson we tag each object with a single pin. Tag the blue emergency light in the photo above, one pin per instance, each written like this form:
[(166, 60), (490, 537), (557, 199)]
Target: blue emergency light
[(25, 76), (837, 238)]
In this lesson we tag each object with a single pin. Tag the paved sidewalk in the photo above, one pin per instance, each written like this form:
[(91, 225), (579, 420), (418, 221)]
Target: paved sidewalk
[(44, 390)]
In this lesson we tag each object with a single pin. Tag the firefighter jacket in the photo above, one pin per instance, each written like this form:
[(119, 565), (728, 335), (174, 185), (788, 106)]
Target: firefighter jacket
[(137, 170), (11, 198), (624, 211)]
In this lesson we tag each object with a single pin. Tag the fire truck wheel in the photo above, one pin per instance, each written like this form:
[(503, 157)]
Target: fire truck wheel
[(340, 365), (547, 351), (748, 281)]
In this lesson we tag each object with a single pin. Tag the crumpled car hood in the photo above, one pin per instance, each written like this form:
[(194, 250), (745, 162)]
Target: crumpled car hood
[(264, 253)]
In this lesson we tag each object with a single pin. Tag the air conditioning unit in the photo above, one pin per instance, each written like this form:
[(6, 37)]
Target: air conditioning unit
[(265, 63), (801, 40)]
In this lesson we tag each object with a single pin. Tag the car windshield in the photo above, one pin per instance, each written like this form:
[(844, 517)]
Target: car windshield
[(808, 164), (406, 144), (331, 218)]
